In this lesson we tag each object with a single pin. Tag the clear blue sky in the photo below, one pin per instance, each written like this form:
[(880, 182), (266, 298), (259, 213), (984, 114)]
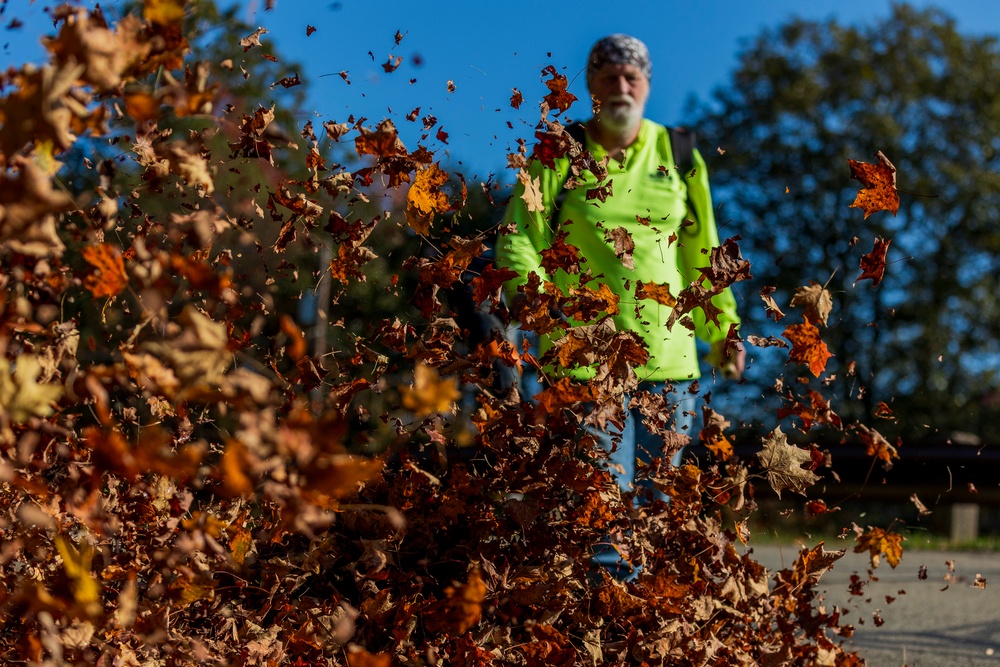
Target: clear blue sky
[(489, 49)]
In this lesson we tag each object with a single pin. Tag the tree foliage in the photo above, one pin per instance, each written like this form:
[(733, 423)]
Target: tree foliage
[(806, 98)]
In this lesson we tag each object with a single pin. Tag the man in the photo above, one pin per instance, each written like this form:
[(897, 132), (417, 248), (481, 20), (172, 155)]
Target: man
[(655, 205)]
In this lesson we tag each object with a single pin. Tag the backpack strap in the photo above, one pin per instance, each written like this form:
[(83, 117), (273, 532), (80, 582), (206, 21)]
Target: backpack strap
[(579, 134), (682, 141)]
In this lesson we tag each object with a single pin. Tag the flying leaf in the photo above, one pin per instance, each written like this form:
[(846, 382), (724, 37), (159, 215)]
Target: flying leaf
[(561, 255), (109, 277), (655, 291), (816, 300), (877, 446), (253, 39), (807, 347), (713, 435), (382, 142), (558, 98), (623, 244), (430, 394), (727, 265), (461, 609), (879, 193), (28, 203), (873, 264), (813, 563), (516, 99), (770, 305), (77, 565), (426, 198), (21, 394), (532, 194), (878, 542), (783, 463)]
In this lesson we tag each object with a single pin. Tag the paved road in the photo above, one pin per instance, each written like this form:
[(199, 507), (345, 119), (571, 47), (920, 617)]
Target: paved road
[(925, 626)]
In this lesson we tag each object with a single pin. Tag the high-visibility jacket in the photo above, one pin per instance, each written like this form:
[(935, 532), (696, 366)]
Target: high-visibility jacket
[(650, 199)]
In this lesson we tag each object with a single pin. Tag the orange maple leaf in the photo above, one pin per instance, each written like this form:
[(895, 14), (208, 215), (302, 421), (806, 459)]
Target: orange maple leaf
[(563, 393), (109, 277), (879, 193), (873, 264), (559, 98), (426, 198), (807, 346), (430, 393), (876, 445), (877, 541), (660, 293), (461, 608)]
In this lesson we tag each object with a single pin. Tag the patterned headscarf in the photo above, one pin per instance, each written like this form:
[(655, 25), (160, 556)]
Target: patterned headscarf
[(619, 50)]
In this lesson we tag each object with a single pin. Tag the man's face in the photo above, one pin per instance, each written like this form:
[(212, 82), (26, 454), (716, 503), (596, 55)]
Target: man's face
[(621, 91)]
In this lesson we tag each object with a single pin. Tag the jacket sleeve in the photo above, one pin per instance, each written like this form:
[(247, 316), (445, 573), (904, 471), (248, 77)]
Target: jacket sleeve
[(695, 253), (519, 250)]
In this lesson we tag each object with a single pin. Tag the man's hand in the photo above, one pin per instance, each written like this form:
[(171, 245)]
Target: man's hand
[(732, 362)]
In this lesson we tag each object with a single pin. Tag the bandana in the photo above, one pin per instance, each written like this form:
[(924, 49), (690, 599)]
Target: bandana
[(619, 50)]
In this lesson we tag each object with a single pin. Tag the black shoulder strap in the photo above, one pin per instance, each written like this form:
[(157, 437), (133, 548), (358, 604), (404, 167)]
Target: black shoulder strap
[(682, 142), (579, 134)]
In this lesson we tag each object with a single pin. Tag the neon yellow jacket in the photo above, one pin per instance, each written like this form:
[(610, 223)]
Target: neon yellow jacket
[(650, 200)]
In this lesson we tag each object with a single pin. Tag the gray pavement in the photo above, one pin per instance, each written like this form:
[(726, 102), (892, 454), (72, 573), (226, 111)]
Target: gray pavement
[(943, 620)]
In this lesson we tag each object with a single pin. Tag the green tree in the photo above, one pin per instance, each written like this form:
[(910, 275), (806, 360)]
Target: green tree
[(805, 98)]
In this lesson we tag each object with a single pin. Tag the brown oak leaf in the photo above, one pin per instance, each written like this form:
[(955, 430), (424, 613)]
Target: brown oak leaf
[(813, 563), (532, 195), (655, 291)]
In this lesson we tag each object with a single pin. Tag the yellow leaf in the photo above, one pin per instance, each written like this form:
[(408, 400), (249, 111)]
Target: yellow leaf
[(164, 12), (430, 394), (21, 394), (76, 564)]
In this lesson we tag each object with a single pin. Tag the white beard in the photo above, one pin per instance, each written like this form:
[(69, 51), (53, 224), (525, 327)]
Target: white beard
[(620, 117)]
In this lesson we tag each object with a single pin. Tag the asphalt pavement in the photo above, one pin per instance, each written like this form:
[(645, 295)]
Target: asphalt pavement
[(923, 613)]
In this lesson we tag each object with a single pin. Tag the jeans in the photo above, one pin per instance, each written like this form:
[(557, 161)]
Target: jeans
[(636, 442)]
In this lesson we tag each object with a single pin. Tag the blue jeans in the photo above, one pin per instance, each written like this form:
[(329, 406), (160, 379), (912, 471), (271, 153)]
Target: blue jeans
[(634, 443)]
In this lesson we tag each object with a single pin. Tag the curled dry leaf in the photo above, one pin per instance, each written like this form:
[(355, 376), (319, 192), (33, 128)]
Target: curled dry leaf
[(816, 300), (28, 204), (873, 264), (783, 463)]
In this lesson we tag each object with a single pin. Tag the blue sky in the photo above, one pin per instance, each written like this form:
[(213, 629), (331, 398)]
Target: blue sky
[(486, 54)]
